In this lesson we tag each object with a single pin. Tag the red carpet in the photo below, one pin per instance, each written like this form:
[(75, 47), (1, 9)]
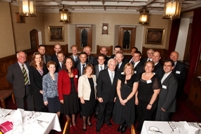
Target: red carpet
[(184, 112)]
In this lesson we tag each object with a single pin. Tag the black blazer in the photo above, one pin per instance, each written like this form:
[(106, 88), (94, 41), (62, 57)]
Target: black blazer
[(180, 73), (121, 69), (16, 78), (79, 68), (158, 70), (78, 60), (47, 58), (55, 59), (90, 60), (95, 62), (105, 88), (167, 95), (139, 69), (96, 70)]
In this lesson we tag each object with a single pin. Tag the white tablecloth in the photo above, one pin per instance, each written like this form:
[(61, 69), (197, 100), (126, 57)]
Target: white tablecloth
[(164, 127), (33, 122)]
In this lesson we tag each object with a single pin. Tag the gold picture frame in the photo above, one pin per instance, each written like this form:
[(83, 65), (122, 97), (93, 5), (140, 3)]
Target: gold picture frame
[(56, 33), (154, 36)]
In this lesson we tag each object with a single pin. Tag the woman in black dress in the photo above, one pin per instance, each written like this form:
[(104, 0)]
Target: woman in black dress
[(67, 89), (146, 97), (124, 109), (87, 94), (36, 72)]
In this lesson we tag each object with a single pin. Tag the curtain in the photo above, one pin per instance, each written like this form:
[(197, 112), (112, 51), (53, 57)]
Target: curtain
[(173, 35), (195, 46)]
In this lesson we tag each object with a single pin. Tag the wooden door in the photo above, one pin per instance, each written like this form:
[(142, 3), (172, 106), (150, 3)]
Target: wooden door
[(34, 39), (83, 37), (126, 38)]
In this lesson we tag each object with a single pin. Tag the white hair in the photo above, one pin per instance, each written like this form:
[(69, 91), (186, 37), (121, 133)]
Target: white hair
[(110, 60), (20, 52)]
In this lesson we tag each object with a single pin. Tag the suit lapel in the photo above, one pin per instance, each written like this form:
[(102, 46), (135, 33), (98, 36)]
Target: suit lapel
[(167, 79)]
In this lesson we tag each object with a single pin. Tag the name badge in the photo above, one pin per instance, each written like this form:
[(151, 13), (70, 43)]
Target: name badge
[(164, 86), (76, 76), (178, 72), (95, 84), (122, 72), (135, 72), (149, 81)]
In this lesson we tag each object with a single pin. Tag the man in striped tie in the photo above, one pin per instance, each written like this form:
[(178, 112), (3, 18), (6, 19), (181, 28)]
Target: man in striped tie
[(18, 76)]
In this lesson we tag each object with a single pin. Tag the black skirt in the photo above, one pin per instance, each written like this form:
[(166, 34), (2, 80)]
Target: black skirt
[(54, 105)]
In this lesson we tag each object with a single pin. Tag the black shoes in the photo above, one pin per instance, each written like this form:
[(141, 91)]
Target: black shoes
[(124, 129), (97, 129), (109, 124), (120, 128)]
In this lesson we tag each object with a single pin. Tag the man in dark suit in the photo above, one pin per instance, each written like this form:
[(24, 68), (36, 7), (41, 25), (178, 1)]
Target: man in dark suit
[(18, 76), (41, 50), (74, 55), (106, 94), (120, 63), (90, 59), (158, 68), (118, 48), (167, 95), (179, 71), (138, 65), (133, 50), (82, 63), (104, 52), (57, 48), (101, 65), (60, 57)]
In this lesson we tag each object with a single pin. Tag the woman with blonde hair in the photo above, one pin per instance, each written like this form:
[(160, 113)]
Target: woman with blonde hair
[(124, 108), (87, 94)]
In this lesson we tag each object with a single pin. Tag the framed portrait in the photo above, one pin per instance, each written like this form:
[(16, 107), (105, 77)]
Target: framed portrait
[(154, 36), (56, 33)]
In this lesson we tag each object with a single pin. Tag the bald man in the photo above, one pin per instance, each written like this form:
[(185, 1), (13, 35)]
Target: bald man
[(179, 71), (103, 51), (18, 76)]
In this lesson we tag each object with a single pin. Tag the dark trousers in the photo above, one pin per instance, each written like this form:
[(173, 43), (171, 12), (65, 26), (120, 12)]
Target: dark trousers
[(162, 116), (104, 113), (29, 98), (144, 113)]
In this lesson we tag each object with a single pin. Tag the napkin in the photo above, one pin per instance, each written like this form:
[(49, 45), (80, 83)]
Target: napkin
[(18, 121), (191, 129)]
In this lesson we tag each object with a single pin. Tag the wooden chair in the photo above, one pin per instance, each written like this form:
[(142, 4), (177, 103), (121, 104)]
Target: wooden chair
[(5, 94), (66, 129), (132, 129)]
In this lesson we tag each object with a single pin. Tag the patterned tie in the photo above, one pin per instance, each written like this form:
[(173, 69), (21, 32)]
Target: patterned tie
[(26, 79)]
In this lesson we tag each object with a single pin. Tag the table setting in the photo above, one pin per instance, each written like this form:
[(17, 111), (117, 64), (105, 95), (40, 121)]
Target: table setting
[(162, 127), (28, 122)]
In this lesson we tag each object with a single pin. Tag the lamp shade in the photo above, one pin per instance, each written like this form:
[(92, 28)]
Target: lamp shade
[(143, 16), (172, 9), (27, 8), (64, 17)]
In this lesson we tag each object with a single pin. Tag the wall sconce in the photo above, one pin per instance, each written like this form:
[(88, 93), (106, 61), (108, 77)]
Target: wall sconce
[(143, 16), (27, 8), (172, 9), (64, 17)]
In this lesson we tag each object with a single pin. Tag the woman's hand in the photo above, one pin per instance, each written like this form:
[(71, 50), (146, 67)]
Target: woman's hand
[(100, 100), (82, 100), (62, 101), (149, 106), (122, 102), (41, 91), (136, 101), (45, 103)]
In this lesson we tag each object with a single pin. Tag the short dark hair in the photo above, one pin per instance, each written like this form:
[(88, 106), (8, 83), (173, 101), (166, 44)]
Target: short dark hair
[(117, 46), (102, 55), (138, 52), (41, 46), (61, 52), (84, 53), (135, 48), (169, 60)]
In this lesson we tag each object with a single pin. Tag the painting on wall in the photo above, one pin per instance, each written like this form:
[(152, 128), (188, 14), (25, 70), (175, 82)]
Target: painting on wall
[(56, 33), (154, 36)]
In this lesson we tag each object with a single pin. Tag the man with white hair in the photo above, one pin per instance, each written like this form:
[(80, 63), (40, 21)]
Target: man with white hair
[(18, 76), (106, 94)]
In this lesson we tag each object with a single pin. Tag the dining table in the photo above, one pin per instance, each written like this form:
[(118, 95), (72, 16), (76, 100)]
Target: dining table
[(171, 127), (29, 122)]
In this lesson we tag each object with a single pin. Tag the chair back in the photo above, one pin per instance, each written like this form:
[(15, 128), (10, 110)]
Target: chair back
[(132, 129), (66, 129)]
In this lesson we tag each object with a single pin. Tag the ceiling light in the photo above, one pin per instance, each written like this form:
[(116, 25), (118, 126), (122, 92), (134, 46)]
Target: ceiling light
[(172, 9), (27, 8), (64, 17), (143, 16)]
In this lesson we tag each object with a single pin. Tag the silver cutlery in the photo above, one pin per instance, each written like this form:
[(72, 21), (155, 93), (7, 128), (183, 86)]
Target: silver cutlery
[(8, 113), (157, 131), (171, 126), (40, 121)]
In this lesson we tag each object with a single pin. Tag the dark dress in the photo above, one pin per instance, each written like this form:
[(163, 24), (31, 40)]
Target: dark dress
[(88, 106), (71, 105), (145, 91), (125, 113)]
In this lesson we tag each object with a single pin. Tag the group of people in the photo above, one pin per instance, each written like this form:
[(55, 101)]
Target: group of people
[(129, 90)]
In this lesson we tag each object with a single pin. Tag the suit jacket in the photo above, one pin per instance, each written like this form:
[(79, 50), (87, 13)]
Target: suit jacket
[(84, 87), (121, 69), (47, 58), (55, 59), (90, 60), (167, 95), (95, 62), (78, 60), (139, 69), (158, 70), (96, 70), (16, 78), (180, 72), (125, 60), (58, 67), (78, 66), (64, 83), (105, 88)]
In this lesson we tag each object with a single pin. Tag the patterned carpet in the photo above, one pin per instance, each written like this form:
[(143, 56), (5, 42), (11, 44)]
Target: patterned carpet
[(185, 112)]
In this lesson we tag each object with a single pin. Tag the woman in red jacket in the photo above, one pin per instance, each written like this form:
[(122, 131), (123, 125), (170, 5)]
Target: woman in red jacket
[(67, 89)]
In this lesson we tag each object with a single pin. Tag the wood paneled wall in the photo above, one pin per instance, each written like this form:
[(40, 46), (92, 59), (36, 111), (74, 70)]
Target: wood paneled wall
[(50, 49)]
